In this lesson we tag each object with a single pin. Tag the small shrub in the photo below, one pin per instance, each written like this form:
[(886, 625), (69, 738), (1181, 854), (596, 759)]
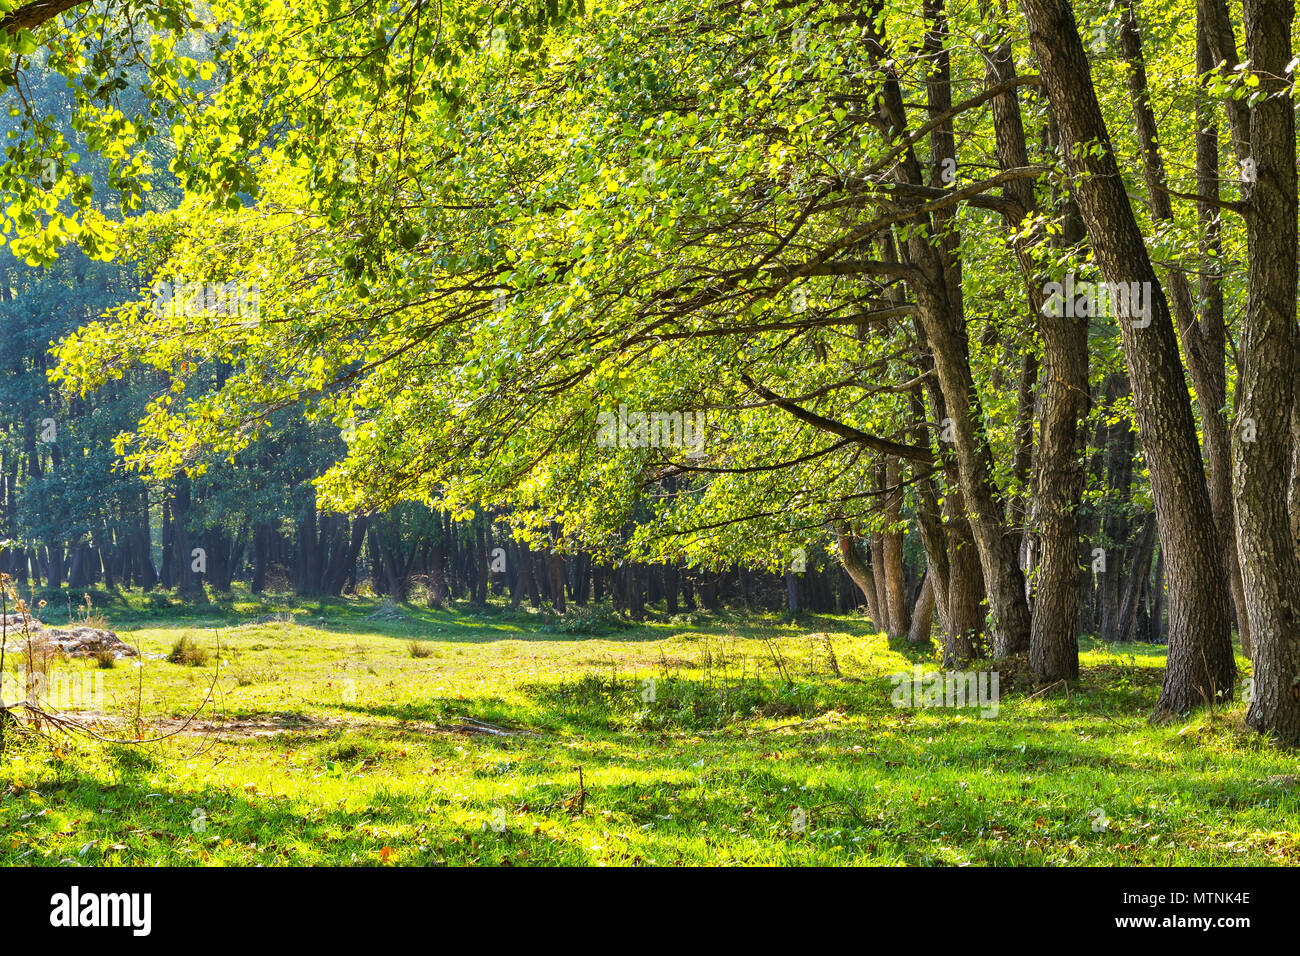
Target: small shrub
[(689, 619), (105, 660), (592, 619), (259, 675), (189, 652), (349, 747), (419, 650)]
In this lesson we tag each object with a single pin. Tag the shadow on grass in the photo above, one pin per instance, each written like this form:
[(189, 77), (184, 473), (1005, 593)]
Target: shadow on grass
[(461, 622)]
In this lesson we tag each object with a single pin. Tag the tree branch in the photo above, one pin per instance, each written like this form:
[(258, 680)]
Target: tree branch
[(874, 442)]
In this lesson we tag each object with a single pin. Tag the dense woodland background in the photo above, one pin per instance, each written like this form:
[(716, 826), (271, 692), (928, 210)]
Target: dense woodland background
[(72, 518)]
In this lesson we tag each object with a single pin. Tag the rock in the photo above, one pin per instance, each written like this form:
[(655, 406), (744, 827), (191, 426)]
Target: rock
[(388, 611), (13, 624), (76, 640)]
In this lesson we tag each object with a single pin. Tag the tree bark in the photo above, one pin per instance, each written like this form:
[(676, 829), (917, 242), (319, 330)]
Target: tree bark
[(1058, 472), (923, 614), (1200, 649), (936, 288), (1266, 379)]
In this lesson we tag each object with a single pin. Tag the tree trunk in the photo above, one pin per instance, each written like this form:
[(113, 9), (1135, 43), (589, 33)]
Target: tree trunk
[(965, 638), (1139, 570), (1058, 473), (1158, 602), (923, 614), (892, 554), (1266, 380), (861, 574), (1200, 650), (1204, 343), (936, 287), (555, 577), (886, 622)]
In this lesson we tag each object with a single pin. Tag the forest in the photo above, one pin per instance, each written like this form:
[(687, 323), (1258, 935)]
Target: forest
[(694, 368)]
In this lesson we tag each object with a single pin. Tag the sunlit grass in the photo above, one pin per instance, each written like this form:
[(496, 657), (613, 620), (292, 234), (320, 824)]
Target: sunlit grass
[(746, 748)]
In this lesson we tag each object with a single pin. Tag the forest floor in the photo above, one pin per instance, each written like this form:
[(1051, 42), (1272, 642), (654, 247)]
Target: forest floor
[(361, 733)]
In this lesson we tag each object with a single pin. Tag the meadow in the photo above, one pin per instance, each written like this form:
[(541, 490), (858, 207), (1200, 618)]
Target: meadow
[(358, 732)]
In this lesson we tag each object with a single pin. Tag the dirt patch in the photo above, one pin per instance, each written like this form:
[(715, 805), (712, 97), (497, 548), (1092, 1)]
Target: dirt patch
[(268, 725), (260, 725)]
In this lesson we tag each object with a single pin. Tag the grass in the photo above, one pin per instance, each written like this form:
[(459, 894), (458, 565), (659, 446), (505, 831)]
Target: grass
[(457, 737)]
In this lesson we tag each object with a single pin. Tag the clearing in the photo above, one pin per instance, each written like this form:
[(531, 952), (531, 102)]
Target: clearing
[(360, 733)]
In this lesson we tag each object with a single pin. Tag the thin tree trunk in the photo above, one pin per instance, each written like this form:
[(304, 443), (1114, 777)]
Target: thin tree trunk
[(936, 286), (1058, 473), (1139, 570), (892, 554), (923, 614), (886, 622)]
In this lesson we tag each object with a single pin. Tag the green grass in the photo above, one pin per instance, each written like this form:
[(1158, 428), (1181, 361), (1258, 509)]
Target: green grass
[(337, 745)]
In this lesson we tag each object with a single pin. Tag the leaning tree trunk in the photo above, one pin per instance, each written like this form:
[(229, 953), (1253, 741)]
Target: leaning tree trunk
[(1200, 650), (951, 561), (860, 573), (1203, 343), (936, 288)]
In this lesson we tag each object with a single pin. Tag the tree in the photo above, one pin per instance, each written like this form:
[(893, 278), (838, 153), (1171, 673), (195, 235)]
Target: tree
[(1200, 664)]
